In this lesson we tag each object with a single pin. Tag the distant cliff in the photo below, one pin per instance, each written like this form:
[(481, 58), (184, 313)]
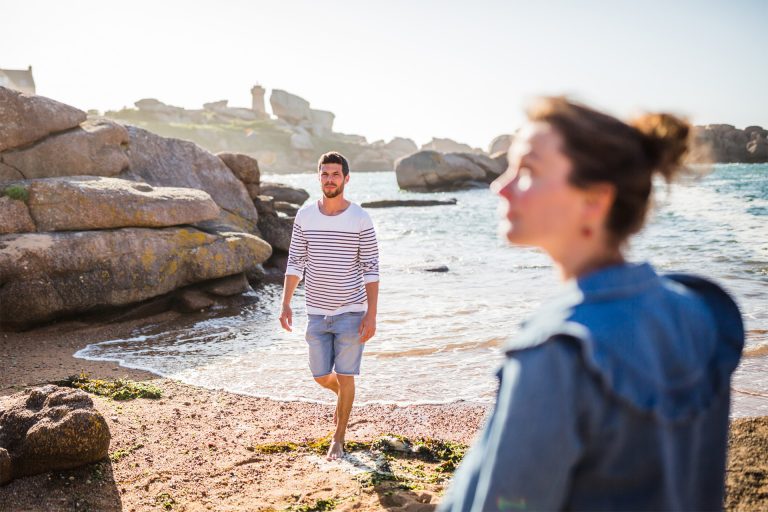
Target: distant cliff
[(724, 143), (289, 142)]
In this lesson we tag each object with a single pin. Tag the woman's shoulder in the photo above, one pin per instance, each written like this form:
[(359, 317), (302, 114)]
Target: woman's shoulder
[(661, 346)]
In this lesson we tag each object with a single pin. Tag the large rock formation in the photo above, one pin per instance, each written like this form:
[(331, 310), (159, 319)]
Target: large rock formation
[(88, 202), (500, 143), (321, 122), (277, 230), (28, 118), (381, 156), (243, 166), (449, 146), (95, 148), (289, 107), (47, 275), (290, 143), (433, 171), (49, 429), (75, 239), (167, 162), (727, 144)]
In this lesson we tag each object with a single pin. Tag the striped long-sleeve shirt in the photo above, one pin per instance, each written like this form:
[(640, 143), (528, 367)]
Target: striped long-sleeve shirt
[(336, 255)]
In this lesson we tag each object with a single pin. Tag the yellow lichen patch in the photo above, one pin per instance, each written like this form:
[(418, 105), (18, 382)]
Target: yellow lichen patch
[(172, 267), (189, 237), (147, 257)]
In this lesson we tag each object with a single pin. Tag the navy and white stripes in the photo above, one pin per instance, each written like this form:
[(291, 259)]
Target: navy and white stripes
[(336, 255)]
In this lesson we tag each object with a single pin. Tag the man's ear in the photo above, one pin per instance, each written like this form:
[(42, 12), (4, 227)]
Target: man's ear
[(598, 200)]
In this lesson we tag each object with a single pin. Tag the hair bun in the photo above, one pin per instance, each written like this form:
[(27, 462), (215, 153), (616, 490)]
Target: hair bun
[(666, 141)]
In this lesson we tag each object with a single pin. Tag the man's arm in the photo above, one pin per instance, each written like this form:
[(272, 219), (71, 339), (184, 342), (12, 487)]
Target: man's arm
[(297, 261), (369, 263), (368, 325), (286, 314)]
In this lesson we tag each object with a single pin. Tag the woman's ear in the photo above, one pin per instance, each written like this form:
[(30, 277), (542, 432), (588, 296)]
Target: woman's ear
[(598, 200)]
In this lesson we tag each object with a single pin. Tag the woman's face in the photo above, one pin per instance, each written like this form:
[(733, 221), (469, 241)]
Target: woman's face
[(540, 207)]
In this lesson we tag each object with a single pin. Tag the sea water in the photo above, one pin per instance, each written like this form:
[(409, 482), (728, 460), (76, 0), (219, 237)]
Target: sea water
[(439, 333)]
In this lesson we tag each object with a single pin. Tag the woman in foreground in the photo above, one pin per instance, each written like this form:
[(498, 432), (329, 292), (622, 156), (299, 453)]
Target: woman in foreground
[(615, 396)]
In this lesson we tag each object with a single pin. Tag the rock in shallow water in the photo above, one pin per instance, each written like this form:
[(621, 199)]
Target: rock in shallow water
[(433, 171), (390, 203)]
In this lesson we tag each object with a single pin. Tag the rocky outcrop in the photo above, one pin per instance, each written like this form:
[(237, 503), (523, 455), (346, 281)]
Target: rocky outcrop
[(222, 109), (449, 146), (96, 148), (381, 156), (246, 168), (285, 193), (433, 171), (321, 122), (96, 216), (27, 118), (47, 275), (243, 166), (227, 286), (401, 146), (301, 140), (167, 162), (290, 143), (500, 144), (275, 228), (89, 202), (725, 143), (289, 107), (49, 429)]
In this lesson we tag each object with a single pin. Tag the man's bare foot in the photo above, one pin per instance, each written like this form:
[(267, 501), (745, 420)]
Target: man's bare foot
[(336, 450)]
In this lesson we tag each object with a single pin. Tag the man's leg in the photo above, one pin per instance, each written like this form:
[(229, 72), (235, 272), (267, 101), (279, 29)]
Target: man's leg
[(348, 352), (344, 408), (330, 382), (321, 353)]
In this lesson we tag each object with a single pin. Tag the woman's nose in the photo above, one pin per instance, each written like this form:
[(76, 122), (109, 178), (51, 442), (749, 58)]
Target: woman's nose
[(503, 185)]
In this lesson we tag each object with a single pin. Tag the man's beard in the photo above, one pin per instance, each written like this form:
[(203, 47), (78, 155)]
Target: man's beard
[(330, 194)]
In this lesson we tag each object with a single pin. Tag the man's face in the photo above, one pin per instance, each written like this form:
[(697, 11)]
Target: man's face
[(332, 180)]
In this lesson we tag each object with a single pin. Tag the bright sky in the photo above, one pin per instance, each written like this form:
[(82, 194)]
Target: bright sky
[(409, 68)]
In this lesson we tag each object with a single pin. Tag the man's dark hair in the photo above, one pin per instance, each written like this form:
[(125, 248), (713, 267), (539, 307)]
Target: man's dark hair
[(334, 157)]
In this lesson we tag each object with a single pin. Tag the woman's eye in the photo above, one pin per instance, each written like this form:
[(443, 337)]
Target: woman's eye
[(523, 179)]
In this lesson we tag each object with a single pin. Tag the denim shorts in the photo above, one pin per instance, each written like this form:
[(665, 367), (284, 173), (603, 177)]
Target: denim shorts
[(334, 343)]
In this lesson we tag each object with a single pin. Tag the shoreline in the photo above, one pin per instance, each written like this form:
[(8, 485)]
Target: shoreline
[(193, 449)]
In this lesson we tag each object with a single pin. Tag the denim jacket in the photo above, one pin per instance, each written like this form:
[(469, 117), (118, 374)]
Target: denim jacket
[(615, 396)]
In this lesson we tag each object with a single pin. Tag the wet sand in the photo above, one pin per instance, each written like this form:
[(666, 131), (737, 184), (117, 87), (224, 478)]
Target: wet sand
[(193, 449)]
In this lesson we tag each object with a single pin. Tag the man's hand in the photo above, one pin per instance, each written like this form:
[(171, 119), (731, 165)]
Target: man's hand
[(367, 326), (286, 317)]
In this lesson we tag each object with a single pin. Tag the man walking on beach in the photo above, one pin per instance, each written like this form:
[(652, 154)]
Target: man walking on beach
[(334, 247)]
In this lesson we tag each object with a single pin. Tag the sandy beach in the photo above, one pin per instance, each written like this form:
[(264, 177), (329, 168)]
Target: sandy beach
[(200, 449)]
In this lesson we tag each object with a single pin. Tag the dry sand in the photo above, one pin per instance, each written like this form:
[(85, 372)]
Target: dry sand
[(193, 449)]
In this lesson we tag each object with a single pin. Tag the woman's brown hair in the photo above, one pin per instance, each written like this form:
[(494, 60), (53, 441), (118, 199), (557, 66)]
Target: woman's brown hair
[(604, 149)]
